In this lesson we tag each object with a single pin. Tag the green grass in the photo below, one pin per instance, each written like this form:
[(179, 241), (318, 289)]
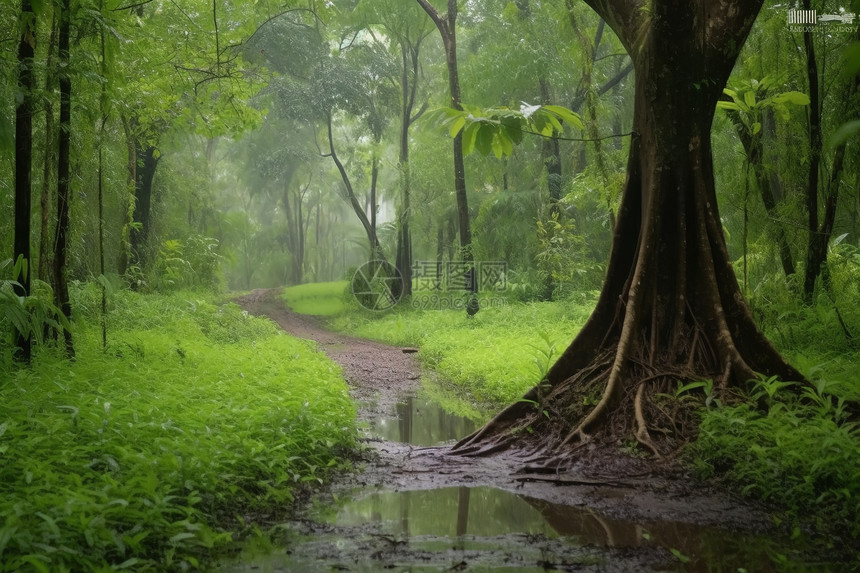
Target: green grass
[(495, 356), (152, 455), (321, 299)]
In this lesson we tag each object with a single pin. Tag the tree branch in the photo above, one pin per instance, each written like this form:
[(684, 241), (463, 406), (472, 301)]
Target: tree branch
[(580, 98), (130, 6), (420, 112), (624, 17), (434, 15), (278, 15)]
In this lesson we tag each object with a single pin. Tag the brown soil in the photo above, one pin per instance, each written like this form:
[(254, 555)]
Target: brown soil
[(613, 485)]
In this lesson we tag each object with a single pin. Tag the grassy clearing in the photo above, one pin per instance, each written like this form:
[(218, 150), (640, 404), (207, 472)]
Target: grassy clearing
[(495, 356), (152, 455), (320, 299)]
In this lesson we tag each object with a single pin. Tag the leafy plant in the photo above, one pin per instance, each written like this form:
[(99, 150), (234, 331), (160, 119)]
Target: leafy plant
[(750, 97), (28, 315), (766, 388), (497, 129)]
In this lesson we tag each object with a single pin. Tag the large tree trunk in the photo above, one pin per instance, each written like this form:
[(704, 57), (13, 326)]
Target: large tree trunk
[(670, 308), (147, 162), (24, 159), (64, 192)]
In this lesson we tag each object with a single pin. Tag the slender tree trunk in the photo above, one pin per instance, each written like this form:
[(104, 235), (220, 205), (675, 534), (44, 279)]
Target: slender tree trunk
[(440, 252), (765, 182), (64, 193), (409, 66), (104, 118), (447, 25), (820, 233), (373, 240), (814, 254), (125, 252), (49, 164), (671, 308), (24, 161), (551, 151), (292, 236)]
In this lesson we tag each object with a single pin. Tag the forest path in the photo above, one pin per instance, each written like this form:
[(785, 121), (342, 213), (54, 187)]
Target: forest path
[(627, 512)]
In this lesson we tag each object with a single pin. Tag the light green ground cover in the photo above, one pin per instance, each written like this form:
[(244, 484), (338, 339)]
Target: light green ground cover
[(150, 455)]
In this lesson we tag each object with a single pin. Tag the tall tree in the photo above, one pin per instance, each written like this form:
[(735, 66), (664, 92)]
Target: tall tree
[(670, 307), (820, 228), (24, 156), (64, 190), (49, 163), (447, 26)]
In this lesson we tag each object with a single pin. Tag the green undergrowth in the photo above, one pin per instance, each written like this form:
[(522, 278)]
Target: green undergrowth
[(154, 454), (494, 356), (797, 445), (798, 450), (320, 299)]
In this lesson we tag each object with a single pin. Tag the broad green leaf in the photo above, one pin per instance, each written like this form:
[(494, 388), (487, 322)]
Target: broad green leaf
[(457, 125), (852, 60), (513, 130), (565, 114), (498, 149), (484, 140), (756, 127), (729, 105), (469, 135), (554, 123), (846, 131), (749, 99), (794, 98)]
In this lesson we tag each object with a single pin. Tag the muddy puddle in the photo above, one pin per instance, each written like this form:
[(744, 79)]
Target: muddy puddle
[(480, 528), (419, 421)]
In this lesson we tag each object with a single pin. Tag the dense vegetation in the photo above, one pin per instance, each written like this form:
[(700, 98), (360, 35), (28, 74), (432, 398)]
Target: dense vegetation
[(156, 154), (160, 451)]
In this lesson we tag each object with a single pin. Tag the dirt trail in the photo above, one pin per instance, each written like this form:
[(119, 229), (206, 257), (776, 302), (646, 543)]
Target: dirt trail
[(614, 487)]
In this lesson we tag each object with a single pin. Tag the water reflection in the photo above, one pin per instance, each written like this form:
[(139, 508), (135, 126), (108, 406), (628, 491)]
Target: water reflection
[(451, 511), (421, 422), (488, 512)]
